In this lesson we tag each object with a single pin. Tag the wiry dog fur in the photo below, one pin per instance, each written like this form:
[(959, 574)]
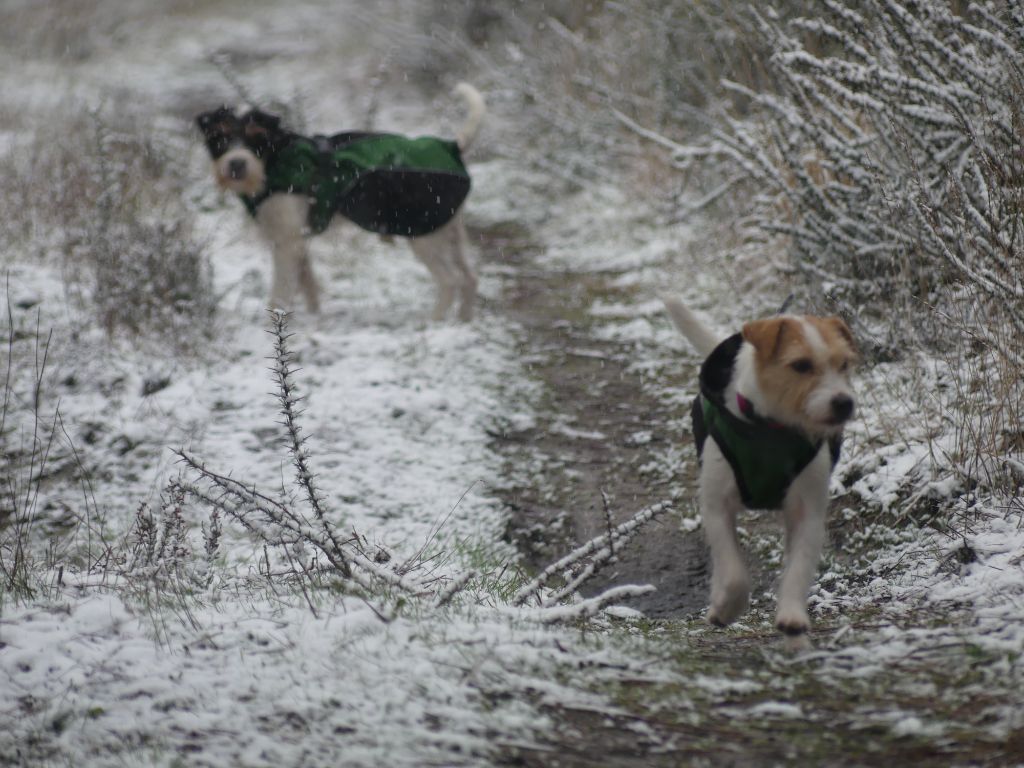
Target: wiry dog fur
[(238, 151), (794, 371)]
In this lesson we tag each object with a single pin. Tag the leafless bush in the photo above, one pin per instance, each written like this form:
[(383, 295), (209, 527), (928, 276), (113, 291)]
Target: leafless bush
[(110, 201), (310, 538), (159, 544), (576, 568), (890, 157), (29, 435), (573, 65), (73, 31)]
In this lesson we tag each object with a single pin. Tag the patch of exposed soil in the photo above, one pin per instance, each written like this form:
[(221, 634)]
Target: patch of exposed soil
[(597, 428)]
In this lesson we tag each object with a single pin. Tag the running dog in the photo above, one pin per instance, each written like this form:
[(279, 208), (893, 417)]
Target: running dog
[(774, 400), (294, 185)]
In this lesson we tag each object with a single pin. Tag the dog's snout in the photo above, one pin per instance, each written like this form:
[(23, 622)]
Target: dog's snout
[(842, 407), (236, 168)]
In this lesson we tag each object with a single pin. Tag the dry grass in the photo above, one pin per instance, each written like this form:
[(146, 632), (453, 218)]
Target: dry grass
[(101, 191)]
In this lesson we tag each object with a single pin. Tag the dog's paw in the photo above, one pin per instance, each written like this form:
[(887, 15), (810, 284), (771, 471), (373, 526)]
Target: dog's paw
[(793, 621), (714, 619), (797, 643), (729, 600)]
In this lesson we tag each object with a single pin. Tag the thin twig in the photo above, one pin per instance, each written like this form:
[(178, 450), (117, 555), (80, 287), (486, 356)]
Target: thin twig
[(288, 398), (589, 548), (590, 607)]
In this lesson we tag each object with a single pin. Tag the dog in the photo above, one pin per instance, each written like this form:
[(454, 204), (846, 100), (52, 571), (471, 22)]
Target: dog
[(774, 400), (294, 185)]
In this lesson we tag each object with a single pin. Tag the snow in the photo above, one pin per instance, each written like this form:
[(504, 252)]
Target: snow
[(111, 668), (397, 411), (388, 688), (778, 709)]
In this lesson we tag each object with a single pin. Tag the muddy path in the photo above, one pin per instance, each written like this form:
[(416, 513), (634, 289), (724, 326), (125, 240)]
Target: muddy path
[(599, 428), (586, 461)]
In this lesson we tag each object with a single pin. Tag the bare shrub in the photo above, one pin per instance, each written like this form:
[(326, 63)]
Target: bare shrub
[(110, 202), (575, 66), (888, 154), (76, 31), (33, 446), (309, 536), (159, 543), (577, 567), (891, 160), (166, 561)]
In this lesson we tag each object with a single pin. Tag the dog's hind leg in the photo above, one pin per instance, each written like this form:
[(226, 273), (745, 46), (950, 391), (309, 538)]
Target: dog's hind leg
[(436, 252), (720, 504), (468, 284), (443, 278), (445, 299)]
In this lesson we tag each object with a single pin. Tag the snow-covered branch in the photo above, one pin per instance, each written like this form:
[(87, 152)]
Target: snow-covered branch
[(599, 548)]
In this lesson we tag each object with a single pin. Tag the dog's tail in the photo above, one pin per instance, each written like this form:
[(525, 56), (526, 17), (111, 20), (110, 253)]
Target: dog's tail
[(477, 108), (703, 338)]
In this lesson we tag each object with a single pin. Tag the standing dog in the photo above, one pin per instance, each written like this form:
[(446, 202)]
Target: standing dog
[(293, 185), (774, 399)]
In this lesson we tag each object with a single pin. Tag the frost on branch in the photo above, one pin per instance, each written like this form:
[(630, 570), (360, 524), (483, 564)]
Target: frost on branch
[(309, 532), (890, 154)]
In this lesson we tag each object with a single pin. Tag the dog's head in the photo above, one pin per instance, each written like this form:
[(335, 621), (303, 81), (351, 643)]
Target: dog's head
[(240, 146), (803, 366)]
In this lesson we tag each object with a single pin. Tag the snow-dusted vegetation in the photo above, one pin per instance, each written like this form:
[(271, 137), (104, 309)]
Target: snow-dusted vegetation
[(889, 159), (231, 537)]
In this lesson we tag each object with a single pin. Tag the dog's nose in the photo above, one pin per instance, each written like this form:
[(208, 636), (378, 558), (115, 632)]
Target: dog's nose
[(842, 407), (236, 168)]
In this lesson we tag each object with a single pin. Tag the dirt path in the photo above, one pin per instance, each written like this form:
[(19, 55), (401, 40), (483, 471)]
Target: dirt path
[(597, 427), (598, 431)]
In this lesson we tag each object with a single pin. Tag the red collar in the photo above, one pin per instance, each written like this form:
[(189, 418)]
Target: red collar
[(747, 409)]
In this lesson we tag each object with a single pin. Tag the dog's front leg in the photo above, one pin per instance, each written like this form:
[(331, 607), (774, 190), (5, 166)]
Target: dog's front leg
[(287, 258), (281, 219), (804, 512), (720, 504), (308, 283)]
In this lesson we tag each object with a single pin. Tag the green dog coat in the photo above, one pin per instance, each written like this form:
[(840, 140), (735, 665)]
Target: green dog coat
[(766, 457), (388, 184)]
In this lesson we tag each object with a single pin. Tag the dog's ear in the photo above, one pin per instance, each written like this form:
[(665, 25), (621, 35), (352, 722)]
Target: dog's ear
[(263, 132), (766, 335), (839, 325), (259, 121), (216, 121)]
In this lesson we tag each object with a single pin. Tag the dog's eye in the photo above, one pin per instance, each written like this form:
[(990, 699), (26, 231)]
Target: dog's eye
[(218, 145), (803, 365)]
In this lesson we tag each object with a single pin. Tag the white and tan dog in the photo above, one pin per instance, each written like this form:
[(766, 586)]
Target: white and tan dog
[(290, 185), (774, 399)]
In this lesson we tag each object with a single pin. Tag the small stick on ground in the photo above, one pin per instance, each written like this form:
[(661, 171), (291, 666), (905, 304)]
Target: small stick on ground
[(622, 532), (608, 520)]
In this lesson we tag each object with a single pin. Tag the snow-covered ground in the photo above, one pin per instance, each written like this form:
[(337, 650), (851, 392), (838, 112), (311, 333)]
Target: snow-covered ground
[(103, 667), (233, 663)]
